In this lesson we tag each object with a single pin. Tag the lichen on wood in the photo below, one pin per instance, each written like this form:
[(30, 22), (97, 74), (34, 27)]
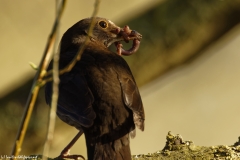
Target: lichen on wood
[(176, 148)]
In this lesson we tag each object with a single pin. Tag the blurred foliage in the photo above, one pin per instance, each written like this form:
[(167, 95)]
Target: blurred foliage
[(173, 32), (11, 110), (176, 31)]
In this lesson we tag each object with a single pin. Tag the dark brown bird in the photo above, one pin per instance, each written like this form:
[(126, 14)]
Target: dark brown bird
[(99, 96)]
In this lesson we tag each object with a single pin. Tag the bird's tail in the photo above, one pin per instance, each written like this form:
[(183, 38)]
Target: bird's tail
[(116, 150)]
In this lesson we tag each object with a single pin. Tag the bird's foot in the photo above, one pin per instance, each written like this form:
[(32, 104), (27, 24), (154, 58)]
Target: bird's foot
[(127, 35), (73, 156), (66, 154), (66, 151)]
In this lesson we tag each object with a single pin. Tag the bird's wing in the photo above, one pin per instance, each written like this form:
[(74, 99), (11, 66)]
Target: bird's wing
[(132, 98), (74, 101)]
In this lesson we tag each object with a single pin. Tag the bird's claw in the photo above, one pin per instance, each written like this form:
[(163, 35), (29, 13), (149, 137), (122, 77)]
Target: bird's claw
[(74, 156), (127, 34)]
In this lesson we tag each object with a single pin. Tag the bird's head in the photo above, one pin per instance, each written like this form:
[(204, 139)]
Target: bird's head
[(104, 33)]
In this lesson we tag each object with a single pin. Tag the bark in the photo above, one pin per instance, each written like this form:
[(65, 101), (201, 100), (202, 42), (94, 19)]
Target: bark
[(177, 148)]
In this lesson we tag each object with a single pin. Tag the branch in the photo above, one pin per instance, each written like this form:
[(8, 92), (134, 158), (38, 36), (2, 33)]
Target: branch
[(52, 115), (80, 51), (176, 148), (55, 77), (35, 86)]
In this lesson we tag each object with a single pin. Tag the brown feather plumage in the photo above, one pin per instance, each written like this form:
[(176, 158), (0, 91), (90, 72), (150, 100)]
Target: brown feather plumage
[(99, 95)]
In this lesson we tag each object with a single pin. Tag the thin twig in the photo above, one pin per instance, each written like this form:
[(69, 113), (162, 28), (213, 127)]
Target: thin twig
[(35, 87), (81, 49), (55, 72), (52, 115), (79, 54)]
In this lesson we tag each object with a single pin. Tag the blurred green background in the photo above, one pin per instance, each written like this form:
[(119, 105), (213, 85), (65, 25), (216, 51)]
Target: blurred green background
[(187, 67)]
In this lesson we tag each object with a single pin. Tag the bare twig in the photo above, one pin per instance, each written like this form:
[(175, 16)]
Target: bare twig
[(52, 115), (79, 54), (55, 77), (38, 80), (81, 49), (35, 86)]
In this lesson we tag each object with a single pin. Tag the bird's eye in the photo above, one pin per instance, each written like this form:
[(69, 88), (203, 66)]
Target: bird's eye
[(103, 24)]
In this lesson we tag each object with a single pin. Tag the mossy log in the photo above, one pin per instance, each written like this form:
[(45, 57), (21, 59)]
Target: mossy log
[(178, 149)]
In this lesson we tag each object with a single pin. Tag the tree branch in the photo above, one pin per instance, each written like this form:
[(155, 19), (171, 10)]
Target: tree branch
[(176, 148), (35, 86)]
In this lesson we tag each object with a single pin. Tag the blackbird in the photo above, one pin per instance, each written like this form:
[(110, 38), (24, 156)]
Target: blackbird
[(99, 96)]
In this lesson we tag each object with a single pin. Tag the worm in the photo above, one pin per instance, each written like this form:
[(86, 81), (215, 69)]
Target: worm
[(133, 49), (127, 35)]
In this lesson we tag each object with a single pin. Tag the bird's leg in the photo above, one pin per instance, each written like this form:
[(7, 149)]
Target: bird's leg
[(127, 35), (65, 152)]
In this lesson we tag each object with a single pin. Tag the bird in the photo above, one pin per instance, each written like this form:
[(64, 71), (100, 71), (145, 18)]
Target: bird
[(99, 96)]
